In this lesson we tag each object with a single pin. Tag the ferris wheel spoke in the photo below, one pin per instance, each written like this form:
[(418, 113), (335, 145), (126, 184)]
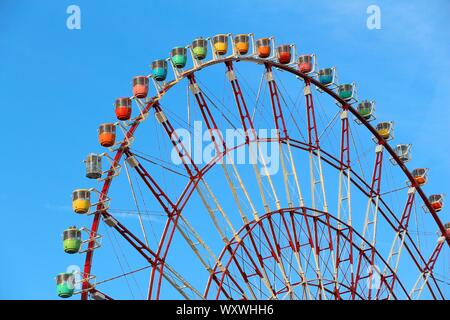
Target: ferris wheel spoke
[(205, 256), (172, 276), (213, 206), (227, 275), (301, 270), (194, 174), (311, 237), (180, 283), (294, 244), (240, 101), (166, 238), (399, 239), (316, 171), (166, 203), (264, 270), (371, 216), (224, 152), (253, 140), (188, 163), (261, 257), (211, 125), (316, 167), (276, 250), (322, 245), (168, 206), (365, 188), (344, 207), (427, 273), (281, 127)]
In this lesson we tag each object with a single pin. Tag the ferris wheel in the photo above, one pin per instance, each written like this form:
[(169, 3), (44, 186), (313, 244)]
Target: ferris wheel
[(255, 174)]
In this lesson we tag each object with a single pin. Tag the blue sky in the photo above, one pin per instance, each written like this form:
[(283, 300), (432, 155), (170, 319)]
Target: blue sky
[(59, 84)]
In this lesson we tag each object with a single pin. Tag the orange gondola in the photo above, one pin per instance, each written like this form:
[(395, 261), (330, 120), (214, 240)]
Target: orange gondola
[(305, 63), (420, 175), (140, 87), (123, 108), (436, 201), (284, 54), (263, 47), (241, 43), (107, 134)]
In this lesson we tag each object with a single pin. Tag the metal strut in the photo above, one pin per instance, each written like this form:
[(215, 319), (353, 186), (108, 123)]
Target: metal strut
[(171, 276), (316, 177), (183, 226), (426, 273), (344, 203), (221, 148), (284, 137), (172, 221), (154, 187), (371, 219), (397, 245), (252, 137)]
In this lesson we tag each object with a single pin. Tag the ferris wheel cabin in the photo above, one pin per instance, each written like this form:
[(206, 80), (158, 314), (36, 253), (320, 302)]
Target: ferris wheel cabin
[(93, 164), (123, 108), (447, 229), (179, 57), (140, 87), (81, 200), (420, 175), (220, 43), (107, 134), (346, 91), (200, 48), (263, 47), (241, 43), (71, 240), (284, 54), (437, 201), (159, 70), (65, 285), (366, 109), (403, 152), (305, 63), (326, 76), (385, 130)]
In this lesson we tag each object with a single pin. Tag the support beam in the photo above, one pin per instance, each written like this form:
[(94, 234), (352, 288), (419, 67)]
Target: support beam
[(371, 217)]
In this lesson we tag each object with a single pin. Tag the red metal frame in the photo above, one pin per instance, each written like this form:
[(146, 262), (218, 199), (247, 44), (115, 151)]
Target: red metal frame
[(343, 255), (246, 119), (374, 192), (276, 105)]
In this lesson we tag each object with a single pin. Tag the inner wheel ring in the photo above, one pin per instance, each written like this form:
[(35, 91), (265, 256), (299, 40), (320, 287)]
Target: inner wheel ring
[(304, 231)]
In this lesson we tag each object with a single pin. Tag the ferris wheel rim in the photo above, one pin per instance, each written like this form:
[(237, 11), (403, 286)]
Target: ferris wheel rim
[(154, 100)]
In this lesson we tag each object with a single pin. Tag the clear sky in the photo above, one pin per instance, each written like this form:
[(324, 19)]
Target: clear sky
[(60, 83)]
